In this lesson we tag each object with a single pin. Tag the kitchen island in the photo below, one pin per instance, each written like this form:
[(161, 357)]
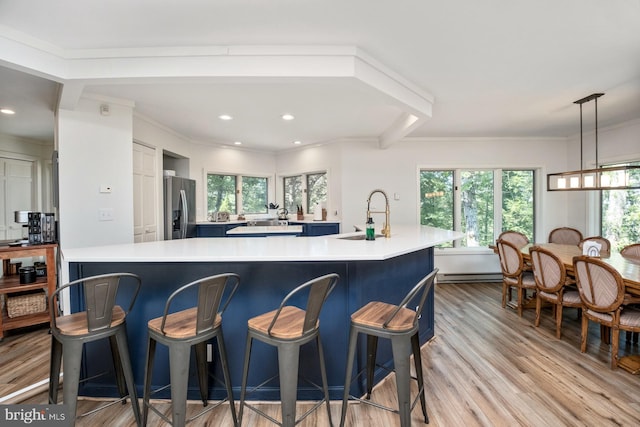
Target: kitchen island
[(384, 269)]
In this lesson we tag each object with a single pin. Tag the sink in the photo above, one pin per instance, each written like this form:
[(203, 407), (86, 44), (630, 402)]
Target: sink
[(358, 237)]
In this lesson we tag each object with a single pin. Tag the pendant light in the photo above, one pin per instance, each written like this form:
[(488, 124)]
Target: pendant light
[(600, 178)]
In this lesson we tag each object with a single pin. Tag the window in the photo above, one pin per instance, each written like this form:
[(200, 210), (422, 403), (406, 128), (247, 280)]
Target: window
[(254, 194), (479, 203), (292, 192), (620, 215), (316, 190), (227, 192), (221, 193), (313, 185)]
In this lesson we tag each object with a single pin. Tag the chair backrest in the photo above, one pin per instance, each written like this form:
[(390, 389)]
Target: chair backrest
[(515, 237), (565, 236), (211, 291), (511, 260), (419, 293), (319, 290), (548, 271), (605, 244), (600, 285), (631, 251), (100, 294)]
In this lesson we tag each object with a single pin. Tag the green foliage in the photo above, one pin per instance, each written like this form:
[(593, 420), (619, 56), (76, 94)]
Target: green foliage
[(621, 214), (254, 194), (517, 201), (436, 200), (316, 190), (292, 186), (221, 193), (476, 209)]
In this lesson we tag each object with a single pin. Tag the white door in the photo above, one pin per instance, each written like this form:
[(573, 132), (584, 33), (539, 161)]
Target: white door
[(16, 194), (144, 194)]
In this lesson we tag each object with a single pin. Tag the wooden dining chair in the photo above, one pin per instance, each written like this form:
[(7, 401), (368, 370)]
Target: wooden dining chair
[(605, 244), (553, 284), (515, 237), (601, 290), (518, 239), (565, 236), (514, 274), (631, 251)]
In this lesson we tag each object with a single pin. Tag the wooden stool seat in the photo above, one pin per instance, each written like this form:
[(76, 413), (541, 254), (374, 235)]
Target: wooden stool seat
[(76, 323), (376, 313), (288, 325), (181, 324)]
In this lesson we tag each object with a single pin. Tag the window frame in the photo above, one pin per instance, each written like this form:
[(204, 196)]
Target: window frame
[(304, 188), (239, 208), (497, 198)]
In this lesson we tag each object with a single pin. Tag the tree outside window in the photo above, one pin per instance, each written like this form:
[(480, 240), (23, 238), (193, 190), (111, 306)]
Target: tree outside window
[(227, 192), (254, 194), (295, 187), (221, 193), (316, 190), (472, 209), (620, 214), (292, 186)]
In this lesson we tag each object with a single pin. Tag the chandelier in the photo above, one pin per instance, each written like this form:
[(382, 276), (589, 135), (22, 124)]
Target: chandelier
[(599, 178)]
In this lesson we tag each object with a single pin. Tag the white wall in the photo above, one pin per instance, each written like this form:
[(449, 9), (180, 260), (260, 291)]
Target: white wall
[(316, 159), (95, 150), (202, 157)]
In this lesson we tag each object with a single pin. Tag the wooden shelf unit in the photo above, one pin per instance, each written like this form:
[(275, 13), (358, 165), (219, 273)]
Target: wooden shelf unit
[(11, 284)]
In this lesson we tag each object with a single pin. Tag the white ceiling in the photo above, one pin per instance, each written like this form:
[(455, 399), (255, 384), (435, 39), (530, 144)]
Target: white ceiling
[(496, 68)]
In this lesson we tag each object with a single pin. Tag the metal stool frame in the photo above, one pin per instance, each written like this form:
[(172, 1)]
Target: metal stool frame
[(101, 319), (404, 342), (289, 351), (208, 325)]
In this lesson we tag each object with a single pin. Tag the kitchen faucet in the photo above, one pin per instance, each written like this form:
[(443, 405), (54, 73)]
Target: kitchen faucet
[(386, 229)]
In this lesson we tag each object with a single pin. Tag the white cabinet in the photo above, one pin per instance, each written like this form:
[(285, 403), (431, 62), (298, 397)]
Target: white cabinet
[(145, 218)]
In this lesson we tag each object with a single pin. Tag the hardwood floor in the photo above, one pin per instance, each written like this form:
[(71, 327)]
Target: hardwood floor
[(485, 367)]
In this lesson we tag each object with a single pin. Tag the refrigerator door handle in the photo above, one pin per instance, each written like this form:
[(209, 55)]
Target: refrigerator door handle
[(185, 214)]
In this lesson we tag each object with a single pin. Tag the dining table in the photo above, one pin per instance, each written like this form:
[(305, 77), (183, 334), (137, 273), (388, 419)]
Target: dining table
[(628, 268)]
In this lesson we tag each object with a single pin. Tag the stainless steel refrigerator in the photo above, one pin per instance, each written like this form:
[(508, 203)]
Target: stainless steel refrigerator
[(179, 208)]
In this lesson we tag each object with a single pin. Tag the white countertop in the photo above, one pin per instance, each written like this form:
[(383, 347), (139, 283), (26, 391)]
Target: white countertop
[(266, 229), (301, 221), (404, 239)]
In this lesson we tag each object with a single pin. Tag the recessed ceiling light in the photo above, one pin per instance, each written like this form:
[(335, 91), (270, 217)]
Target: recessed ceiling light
[(7, 111), (288, 117), (238, 143), (297, 142), (225, 117)]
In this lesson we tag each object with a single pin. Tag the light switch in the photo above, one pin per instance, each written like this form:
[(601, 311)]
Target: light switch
[(105, 214)]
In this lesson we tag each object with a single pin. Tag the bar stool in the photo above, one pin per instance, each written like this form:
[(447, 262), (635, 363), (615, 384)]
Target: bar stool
[(399, 324), (180, 331), (288, 328), (101, 319)]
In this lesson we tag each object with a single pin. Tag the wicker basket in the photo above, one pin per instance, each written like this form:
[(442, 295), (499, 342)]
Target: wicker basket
[(26, 303)]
